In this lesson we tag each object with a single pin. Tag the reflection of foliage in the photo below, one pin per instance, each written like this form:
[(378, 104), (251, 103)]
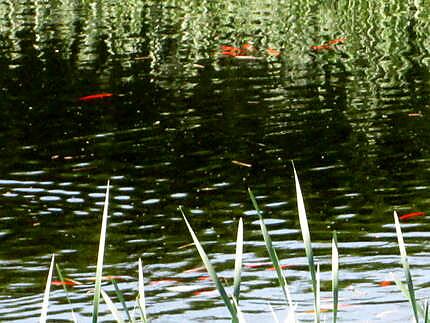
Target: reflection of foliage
[(379, 33)]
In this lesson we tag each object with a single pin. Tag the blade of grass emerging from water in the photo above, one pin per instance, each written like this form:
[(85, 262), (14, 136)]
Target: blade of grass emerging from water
[(211, 271), (60, 275), (111, 306), (304, 227), (100, 256), (426, 312), (120, 296), (238, 261), (45, 303), (335, 274), (405, 264), (272, 252), (141, 300)]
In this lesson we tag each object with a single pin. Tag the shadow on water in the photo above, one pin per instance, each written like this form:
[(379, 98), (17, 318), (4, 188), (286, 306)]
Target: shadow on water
[(184, 125)]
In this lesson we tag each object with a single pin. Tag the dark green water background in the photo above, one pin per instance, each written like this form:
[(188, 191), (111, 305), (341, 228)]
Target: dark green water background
[(354, 119)]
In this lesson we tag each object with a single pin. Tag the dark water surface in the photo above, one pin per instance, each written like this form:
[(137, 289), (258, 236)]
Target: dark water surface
[(354, 117)]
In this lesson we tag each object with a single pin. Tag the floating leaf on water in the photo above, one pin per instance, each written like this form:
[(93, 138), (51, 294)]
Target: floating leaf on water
[(416, 114), (236, 162), (186, 245)]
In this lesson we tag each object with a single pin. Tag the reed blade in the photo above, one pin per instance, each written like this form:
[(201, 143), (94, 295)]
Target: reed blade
[(141, 300), (60, 275), (304, 227), (272, 251), (426, 312), (211, 271), (335, 275), (406, 269), (45, 303), (318, 302), (100, 256), (111, 306), (272, 311), (120, 296), (238, 261)]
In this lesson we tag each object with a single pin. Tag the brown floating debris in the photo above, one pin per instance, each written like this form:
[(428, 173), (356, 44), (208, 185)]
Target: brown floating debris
[(239, 163)]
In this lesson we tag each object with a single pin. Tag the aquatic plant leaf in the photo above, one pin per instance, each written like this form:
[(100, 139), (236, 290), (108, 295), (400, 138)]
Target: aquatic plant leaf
[(406, 269), (100, 256), (211, 271), (120, 296), (272, 251), (141, 298), (335, 274), (111, 306), (304, 227), (238, 261), (60, 275), (45, 303)]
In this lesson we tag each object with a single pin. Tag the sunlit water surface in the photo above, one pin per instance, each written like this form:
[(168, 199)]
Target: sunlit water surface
[(186, 125)]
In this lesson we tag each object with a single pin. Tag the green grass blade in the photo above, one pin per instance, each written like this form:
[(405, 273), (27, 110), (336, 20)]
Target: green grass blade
[(426, 312), (271, 250), (405, 264), (211, 271), (120, 296), (111, 307), (335, 275), (318, 302), (45, 303), (304, 227), (238, 261), (60, 275), (100, 256), (240, 316), (141, 300)]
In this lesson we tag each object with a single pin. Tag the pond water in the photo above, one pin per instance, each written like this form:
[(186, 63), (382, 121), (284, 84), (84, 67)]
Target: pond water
[(181, 123)]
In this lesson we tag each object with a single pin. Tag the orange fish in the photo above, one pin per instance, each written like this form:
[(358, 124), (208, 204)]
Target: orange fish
[(164, 281), (282, 267), (62, 283), (205, 292), (411, 215), (230, 50), (95, 96), (321, 47), (273, 52), (257, 265), (385, 283), (336, 41)]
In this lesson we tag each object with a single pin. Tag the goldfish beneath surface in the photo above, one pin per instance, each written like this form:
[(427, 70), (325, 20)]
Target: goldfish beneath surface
[(411, 215), (385, 283), (95, 96), (329, 45), (246, 51)]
